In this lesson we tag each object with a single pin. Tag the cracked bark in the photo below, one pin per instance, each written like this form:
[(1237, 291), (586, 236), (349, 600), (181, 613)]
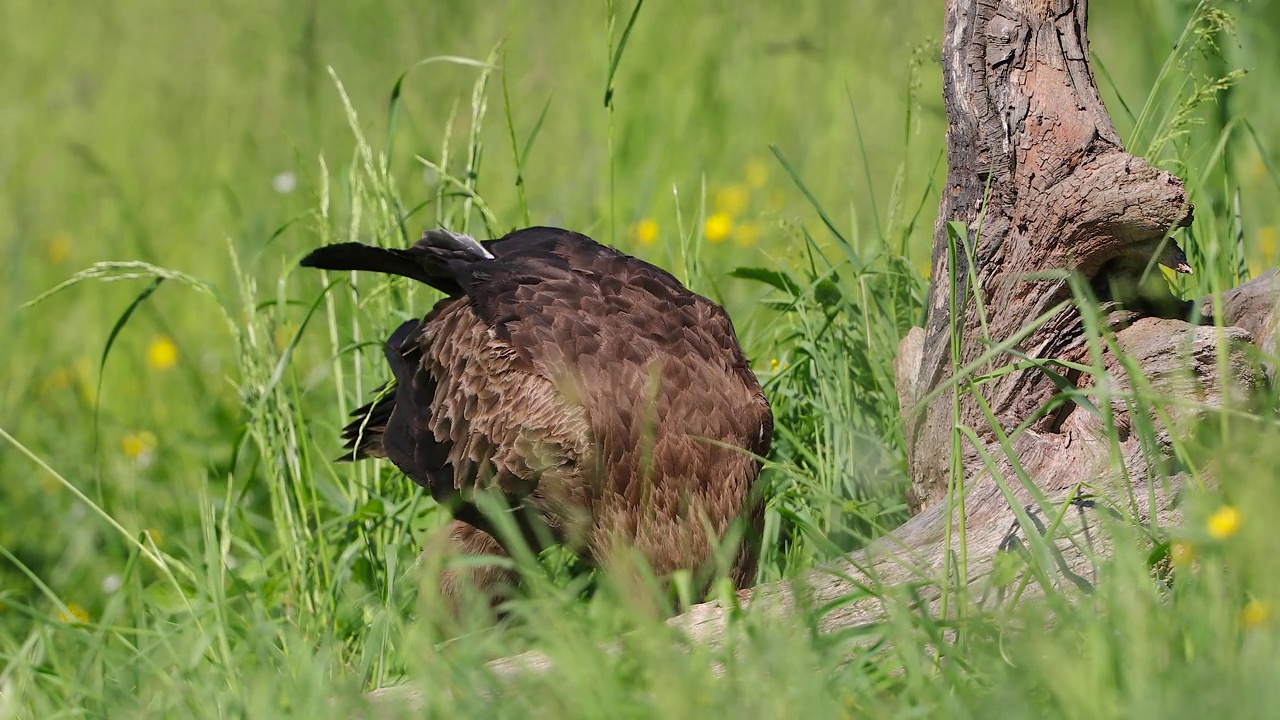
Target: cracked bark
[(1039, 176), (1041, 180)]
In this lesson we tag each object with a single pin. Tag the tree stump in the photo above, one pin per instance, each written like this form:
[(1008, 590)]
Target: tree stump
[(1039, 177)]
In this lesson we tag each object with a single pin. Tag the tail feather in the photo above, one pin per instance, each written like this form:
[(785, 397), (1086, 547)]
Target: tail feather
[(358, 256), (429, 261), (363, 435)]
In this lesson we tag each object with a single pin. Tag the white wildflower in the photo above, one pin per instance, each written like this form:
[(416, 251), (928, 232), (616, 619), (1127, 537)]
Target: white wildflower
[(285, 182)]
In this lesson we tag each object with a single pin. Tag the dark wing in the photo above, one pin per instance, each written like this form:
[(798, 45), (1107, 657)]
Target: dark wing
[(364, 436)]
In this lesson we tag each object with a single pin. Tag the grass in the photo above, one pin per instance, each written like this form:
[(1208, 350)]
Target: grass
[(174, 538)]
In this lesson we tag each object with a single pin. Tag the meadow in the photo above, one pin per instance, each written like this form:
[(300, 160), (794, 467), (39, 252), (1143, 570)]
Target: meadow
[(174, 540)]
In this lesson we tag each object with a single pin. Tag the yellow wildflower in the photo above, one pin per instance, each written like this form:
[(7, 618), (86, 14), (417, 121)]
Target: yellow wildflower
[(1255, 613), (1182, 553), (59, 379), (74, 615), (283, 335), (162, 354), (1267, 242), (746, 234), (138, 445), (57, 248), (717, 227), (1224, 522), (645, 231), (757, 174), (773, 365), (732, 200)]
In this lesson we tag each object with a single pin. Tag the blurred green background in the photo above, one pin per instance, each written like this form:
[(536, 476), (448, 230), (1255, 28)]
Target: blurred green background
[(160, 131)]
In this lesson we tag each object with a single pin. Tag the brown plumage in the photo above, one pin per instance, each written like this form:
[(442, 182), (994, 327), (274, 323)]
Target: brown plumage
[(605, 400)]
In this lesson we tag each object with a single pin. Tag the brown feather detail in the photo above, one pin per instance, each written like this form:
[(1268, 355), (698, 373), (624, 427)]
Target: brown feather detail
[(505, 426), (588, 386), (662, 379)]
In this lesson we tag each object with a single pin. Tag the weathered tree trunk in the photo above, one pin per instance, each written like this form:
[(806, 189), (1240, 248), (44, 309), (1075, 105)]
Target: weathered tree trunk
[(1039, 177)]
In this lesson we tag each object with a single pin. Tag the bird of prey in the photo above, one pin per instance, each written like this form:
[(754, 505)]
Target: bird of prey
[(601, 398)]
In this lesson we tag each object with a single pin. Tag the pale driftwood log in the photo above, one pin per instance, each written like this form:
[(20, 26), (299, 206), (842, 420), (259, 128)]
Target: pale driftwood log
[(1255, 307), (1039, 175)]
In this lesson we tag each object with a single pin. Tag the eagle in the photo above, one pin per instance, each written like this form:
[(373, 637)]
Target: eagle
[(610, 407)]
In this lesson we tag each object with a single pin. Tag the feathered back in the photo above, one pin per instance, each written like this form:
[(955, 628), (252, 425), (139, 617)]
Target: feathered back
[(576, 379)]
